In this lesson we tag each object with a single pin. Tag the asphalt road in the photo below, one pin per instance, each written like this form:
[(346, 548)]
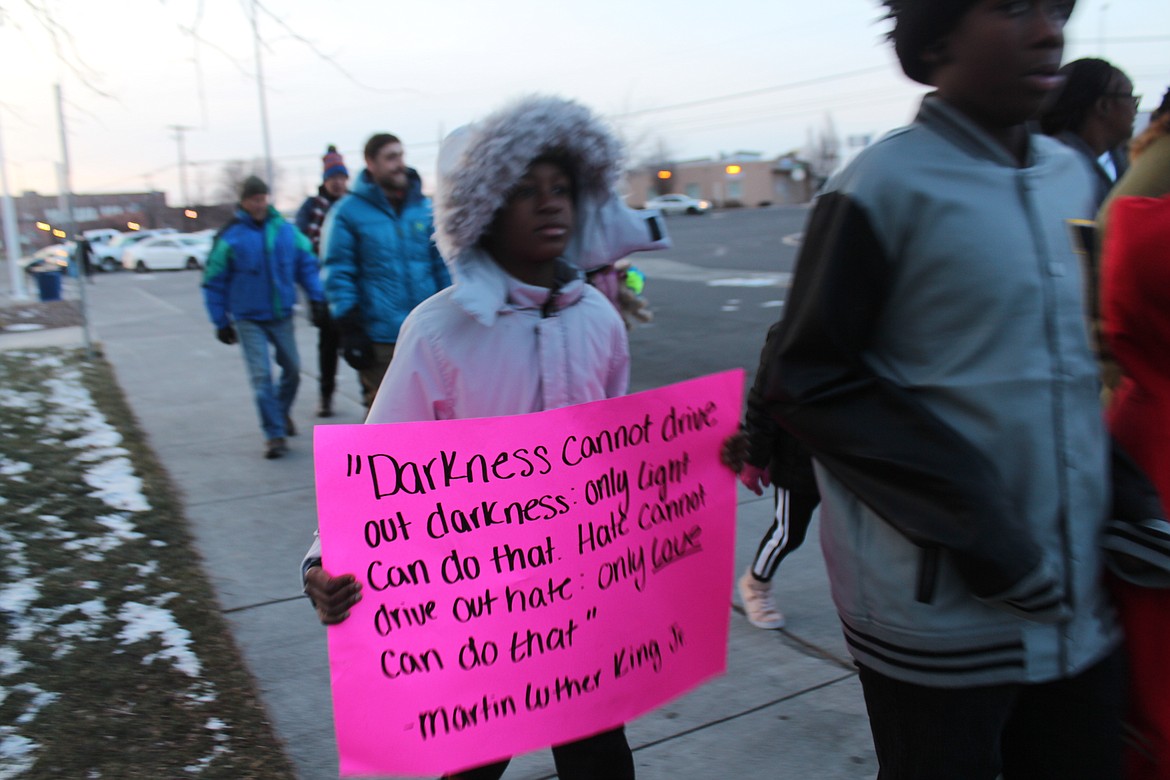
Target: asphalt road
[(715, 293)]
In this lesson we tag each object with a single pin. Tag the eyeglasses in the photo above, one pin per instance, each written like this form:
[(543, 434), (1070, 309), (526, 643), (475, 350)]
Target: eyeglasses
[(1137, 99)]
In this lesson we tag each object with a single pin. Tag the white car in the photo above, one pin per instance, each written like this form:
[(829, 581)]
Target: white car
[(167, 251), (678, 204), (108, 256)]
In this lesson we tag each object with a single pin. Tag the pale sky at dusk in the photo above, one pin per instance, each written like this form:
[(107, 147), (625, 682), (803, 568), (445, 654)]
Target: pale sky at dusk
[(422, 68)]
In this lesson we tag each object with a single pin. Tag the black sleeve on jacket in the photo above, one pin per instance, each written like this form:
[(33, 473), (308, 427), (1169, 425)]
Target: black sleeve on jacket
[(769, 445), (889, 450)]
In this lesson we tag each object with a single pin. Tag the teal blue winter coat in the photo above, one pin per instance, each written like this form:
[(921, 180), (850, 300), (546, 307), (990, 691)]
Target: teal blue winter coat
[(254, 268), (377, 259)]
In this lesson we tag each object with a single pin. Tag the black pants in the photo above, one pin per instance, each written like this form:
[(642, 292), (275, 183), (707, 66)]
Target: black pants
[(794, 511), (328, 345), (604, 756), (1063, 730)]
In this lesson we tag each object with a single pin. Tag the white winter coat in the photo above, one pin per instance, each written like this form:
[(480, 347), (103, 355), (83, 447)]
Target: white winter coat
[(484, 348)]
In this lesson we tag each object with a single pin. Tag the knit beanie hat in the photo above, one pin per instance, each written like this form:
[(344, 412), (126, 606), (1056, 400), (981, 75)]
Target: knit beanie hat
[(918, 24), (253, 185), (334, 164)]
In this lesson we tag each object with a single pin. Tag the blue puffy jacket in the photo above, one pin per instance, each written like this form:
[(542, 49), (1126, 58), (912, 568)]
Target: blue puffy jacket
[(254, 267), (377, 259)]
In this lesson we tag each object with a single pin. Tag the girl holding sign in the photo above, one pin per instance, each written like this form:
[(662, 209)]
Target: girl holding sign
[(526, 205)]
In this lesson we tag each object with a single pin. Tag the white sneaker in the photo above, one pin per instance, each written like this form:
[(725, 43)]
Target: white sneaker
[(758, 606)]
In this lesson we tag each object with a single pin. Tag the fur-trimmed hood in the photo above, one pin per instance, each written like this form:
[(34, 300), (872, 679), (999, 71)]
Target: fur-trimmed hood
[(480, 163)]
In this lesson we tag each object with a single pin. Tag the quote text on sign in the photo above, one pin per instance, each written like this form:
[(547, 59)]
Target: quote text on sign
[(526, 580)]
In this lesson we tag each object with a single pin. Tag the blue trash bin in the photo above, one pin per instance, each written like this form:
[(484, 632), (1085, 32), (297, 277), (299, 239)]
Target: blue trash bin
[(49, 285)]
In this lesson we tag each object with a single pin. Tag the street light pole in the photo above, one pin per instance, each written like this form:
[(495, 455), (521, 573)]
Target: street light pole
[(179, 130), (1101, 28), (70, 225), (11, 233), (263, 97)]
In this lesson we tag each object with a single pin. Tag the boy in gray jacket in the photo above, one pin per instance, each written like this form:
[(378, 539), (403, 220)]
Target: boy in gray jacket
[(935, 362)]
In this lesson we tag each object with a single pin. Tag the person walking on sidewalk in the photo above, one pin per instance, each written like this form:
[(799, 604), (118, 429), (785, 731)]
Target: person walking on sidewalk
[(249, 288), (935, 361), (310, 216), (380, 259), (1093, 115), (763, 453), (1135, 302), (514, 191)]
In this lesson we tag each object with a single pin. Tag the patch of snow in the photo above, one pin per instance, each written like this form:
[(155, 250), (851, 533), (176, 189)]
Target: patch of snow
[(39, 699), (218, 729), (143, 621), (11, 468), (120, 526), (145, 569), (104, 437), (16, 400), (11, 663), (117, 485), (15, 597), (16, 753), (112, 478)]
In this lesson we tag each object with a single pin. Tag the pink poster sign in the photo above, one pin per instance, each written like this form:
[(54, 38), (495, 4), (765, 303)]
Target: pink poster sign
[(528, 580)]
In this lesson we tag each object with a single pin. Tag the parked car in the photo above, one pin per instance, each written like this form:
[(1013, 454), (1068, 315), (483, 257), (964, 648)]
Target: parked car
[(100, 236), (108, 256), (678, 204), (167, 251)]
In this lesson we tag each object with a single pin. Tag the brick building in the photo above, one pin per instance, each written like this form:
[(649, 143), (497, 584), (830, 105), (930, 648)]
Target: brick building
[(107, 210), (740, 179)]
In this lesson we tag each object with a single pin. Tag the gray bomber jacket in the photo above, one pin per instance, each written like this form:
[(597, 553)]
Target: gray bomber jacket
[(934, 358)]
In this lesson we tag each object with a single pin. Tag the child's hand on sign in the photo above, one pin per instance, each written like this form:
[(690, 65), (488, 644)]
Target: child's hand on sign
[(332, 596), (734, 454), (734, 451)]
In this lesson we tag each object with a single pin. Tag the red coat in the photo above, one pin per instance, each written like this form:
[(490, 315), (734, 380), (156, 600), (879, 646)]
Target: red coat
[(1135, 305), (1136, 308)]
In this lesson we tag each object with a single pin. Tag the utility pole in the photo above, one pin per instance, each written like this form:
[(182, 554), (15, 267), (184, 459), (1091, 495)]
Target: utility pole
[(1101, 28), (70, 227), (179, 130), (263, 97), (11, 234)]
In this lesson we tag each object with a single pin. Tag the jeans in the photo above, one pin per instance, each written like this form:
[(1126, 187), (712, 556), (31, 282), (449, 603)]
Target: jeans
[(372, 376), (273, 401), (1067, 729), (604, 756)]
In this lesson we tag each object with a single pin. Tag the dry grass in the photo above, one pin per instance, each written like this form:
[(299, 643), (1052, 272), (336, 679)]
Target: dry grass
[(81, 570)]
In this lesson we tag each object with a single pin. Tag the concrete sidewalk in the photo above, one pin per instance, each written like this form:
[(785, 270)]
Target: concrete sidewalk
[(790, 705)]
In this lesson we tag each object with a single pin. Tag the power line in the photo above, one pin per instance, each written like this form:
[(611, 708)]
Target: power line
[(763, 112), (329, 59), (752, 92)]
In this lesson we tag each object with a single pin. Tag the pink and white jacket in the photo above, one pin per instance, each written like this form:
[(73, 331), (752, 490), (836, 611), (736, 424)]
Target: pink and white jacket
[(491, 345)]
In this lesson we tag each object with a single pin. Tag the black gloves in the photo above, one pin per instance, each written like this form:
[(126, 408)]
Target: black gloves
[(227, 334), (318, 313), (356, 347)]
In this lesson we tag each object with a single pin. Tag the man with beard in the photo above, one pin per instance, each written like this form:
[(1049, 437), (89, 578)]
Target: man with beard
[(380, 259)]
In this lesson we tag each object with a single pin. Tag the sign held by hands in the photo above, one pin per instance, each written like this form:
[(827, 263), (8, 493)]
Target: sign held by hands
[(529, 580)]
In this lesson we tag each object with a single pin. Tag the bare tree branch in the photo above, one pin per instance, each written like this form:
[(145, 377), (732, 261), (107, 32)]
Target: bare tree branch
[(65, 47), (328, 58)]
